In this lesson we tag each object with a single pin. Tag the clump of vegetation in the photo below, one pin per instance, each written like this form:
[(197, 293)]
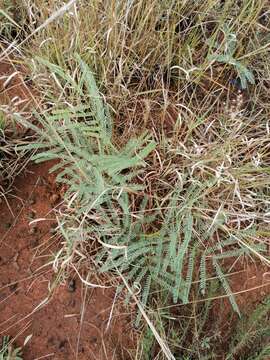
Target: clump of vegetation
[(252, 333), (148, 247), (196, 332), (8, 351), (157, 112)]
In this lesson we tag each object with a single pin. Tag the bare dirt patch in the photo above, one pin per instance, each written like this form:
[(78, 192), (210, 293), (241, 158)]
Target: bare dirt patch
[(72, 323)]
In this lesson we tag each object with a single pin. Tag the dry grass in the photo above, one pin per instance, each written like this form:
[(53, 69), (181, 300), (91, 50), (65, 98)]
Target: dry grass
[(195, 75)]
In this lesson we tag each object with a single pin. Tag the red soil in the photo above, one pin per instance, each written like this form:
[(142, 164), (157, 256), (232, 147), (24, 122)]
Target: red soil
[(72, 323)]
